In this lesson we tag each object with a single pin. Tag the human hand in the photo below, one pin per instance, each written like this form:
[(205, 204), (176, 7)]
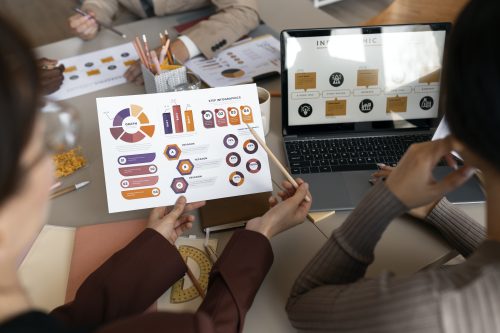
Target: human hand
[(412, 180), (172, 222), (180, 51), (384, 172), (134, 74), (51, 77), (85, 27), (291, 211)]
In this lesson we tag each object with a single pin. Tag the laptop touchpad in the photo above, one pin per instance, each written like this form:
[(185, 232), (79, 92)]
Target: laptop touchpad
[(329, 191)]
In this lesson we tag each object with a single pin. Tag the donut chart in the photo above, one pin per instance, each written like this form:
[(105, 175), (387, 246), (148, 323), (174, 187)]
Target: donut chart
[(131, 125)]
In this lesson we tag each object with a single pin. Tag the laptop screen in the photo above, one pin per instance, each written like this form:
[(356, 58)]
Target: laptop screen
[(364, 74)]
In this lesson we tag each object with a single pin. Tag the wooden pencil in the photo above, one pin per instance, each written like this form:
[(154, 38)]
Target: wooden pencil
[(276, 161), (141, 51), (146, 49), (156, 63), (107, 26)]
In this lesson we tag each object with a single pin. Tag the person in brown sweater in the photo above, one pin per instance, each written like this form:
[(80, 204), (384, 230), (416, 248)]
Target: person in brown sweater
[(115, 296), (332, 294)]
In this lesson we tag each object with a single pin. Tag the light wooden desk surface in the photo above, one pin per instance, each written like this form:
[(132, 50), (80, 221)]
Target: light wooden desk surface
[(405, 247)]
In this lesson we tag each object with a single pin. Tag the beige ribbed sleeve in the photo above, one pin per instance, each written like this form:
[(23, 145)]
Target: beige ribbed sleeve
[(461, 231), (332, 295)]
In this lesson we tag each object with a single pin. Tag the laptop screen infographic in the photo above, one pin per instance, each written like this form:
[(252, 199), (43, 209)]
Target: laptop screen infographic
[(350, 77)]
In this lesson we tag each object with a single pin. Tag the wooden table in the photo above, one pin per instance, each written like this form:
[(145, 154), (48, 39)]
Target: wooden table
[(405, 247), (419, 11)]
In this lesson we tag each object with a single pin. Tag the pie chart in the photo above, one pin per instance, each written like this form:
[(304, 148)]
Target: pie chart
[(131, 125)]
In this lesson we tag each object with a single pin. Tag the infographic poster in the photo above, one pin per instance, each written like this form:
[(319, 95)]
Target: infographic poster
[(156, 147), (95, 71), (362, 78)]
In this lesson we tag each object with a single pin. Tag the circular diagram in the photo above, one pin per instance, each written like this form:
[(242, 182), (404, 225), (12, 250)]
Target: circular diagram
[(426, 103), (250, 146), (336, 79), (179, 293), (253, 165), (305, 110), (233, 159), (230, 141), (131, 125), (232, 73), (366, 105), (236, 178)]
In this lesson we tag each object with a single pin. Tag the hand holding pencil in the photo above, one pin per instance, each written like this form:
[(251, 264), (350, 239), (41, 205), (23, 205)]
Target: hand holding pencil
[(85, 27)]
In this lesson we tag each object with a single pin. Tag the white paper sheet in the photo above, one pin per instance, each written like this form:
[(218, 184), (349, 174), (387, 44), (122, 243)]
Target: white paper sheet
[(195, 143), (45, 270), (239, 64), (95, 71)]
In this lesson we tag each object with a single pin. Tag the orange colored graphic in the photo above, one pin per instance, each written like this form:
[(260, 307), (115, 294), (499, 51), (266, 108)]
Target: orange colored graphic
[(397, 104), (336, 108), (129, 62), (141, 193), (107, 59), (188, 114), (431, 77), (148, 129), (136, 109), (70, 69), (246, 114), (305, 80), (93, 72), (367, 77), (234, 116)]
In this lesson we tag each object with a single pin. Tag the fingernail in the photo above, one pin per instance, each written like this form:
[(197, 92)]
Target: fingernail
[(372, 180)]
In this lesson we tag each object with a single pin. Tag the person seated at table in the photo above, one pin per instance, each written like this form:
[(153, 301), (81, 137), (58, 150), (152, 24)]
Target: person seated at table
[(233, 20), (332, 293), (51, 75), (115, 296)]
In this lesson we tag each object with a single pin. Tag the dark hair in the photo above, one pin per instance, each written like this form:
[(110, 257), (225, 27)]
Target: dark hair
[(19, 97), (472, 79)]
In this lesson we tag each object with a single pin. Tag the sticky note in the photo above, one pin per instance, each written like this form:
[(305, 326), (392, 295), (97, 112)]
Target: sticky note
[(305, 80), (336, 108), (367, 77), (431, 77), (397, 104)]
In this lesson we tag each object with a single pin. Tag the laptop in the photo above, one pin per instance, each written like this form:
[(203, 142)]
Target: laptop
[(357, 96)]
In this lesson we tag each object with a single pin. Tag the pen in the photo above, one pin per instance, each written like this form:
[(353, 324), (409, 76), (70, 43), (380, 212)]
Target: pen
[(104, 25), (68, 189)]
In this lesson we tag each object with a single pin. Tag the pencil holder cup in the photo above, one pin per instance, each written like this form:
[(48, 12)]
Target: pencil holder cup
[(163, 82)]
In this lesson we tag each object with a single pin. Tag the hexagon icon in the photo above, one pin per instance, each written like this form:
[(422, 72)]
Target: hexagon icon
[(185, 167), (179, 185), (172, 152)]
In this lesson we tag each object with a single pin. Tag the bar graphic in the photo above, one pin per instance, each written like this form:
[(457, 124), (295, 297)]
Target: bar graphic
[(139, 182), (141, 193), (136, 159), (167, 123), (178, 119), (188, 114), (138, 170)]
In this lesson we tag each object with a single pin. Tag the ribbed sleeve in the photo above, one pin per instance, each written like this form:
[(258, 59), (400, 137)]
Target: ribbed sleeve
[(461, 231)]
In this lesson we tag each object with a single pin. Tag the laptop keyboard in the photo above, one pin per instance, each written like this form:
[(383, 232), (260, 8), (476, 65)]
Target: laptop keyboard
[(348, 154)]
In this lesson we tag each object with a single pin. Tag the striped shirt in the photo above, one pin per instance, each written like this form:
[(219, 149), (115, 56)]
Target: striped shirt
[(332, 294)]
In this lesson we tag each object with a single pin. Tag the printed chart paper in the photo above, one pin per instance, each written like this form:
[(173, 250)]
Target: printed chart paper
[(195, 143), (95, 71), (239, 64)]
